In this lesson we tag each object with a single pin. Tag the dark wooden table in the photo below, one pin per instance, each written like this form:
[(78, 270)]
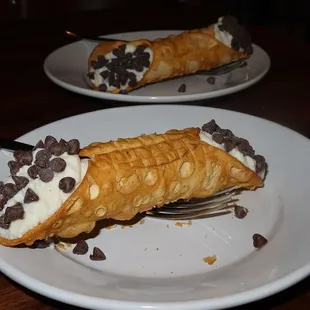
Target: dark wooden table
[(29, 99)]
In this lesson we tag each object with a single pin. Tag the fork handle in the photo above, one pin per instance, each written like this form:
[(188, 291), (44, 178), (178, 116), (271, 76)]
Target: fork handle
[(11, 145)]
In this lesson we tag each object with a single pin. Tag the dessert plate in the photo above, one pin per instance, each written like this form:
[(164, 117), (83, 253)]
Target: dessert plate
[(67, 67), (158, 264)]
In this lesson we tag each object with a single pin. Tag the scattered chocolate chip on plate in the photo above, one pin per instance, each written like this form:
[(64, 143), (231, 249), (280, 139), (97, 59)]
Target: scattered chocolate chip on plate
[(182, 88), (97, 255), (211, 80), (259, 241), (81, 248), (241, 212)]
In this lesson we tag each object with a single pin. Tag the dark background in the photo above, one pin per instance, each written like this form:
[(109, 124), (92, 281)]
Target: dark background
[(293, 14)]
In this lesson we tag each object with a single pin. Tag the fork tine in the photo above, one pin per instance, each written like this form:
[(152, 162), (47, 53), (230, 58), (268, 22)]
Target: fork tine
[(193, 208), (185, 217), (203, 203), (214, 205), (194, 215), (219, 206), (224, 68), (218, 197), (224, 191)]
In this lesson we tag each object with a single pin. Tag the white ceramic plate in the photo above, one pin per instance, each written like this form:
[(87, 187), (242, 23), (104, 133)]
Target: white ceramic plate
[(67, 67), (155, 267)]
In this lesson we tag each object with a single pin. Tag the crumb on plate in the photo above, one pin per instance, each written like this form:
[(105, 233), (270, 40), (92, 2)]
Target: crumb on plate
[(210, 260), (111, 227), (181, 224)]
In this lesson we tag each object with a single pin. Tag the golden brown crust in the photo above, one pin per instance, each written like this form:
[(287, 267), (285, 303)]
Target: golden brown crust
[(177, 55), (128, 176)]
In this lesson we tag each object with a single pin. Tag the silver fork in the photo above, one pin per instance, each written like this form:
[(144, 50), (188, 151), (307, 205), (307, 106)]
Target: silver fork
[(218, 204), (225, 68)]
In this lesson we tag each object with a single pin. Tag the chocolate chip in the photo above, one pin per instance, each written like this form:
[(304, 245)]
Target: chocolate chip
[(1, 187), (111, 75), (13, 213), (116, 63), (125, 62), (33, 171), (64, 145), (41, 244), (67, 184), (57, 164), (3, 201), (240, 212), (46, 174), (102, 61), (116, 83), (221, 27), (225, 132), (210, 127), (140, 49), (133, 80), (49, 141), (245, 148), (57, 149), (103, 87), (229, 144), (97, 255), (74, 147), (218, 137), (123, 79), (105, 74), (91, 75), (235, 44), (260, 163), (145, 60), (137, 66), (20, 182), (18, 154), (95, 64), (14, 166), (81, 248), (10, 190), (211, 80), (110, 65), (259, 241), (26, 158), (3, 224), (42, 158), (130, 66), (120, 71), (131, 75), (30, 196), (182, 88), (128, 55), (240, 37), (146, 55), (122, 47), (39, 145), (118, 52)]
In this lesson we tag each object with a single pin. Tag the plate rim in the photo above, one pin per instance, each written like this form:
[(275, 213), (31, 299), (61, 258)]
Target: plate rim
[(80, 300), (152, 99), (231, 300)]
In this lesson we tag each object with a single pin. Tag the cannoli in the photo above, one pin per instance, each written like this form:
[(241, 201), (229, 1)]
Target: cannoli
[(120, 67), (61, 190)]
